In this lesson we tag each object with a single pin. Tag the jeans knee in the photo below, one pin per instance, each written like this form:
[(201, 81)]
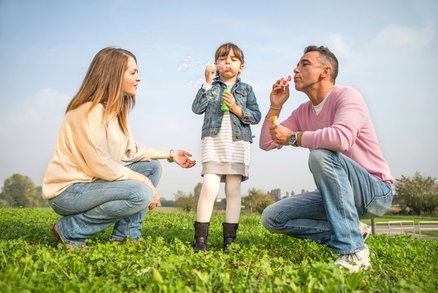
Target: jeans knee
[(156, 167), (267, 220), (141, 196), (156, 170), (318, 159)]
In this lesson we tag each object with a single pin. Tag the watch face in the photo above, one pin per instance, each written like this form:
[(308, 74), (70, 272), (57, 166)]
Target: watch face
[(293, 139)]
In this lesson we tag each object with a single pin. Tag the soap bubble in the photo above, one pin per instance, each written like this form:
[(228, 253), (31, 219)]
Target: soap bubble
[(213, 93), (200, 81), (184, 64)]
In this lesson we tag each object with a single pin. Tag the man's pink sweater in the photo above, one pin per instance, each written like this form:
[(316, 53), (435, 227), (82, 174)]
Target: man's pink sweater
[(343, 125)]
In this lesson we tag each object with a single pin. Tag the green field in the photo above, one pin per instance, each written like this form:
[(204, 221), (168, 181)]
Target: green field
[(30, 260)]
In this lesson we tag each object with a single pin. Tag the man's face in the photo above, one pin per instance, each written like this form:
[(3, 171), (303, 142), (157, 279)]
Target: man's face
[(308, 71)]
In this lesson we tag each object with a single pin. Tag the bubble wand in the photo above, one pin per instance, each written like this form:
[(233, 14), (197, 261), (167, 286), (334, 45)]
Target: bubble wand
[(285, 82), (274, 119)]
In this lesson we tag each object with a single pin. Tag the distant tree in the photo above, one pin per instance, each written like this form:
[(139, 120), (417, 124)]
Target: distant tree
[(167, 203), (197, 190), (256, 200), (19, 191), (418, 194), (38, 200), (186, 201), (4, 203)]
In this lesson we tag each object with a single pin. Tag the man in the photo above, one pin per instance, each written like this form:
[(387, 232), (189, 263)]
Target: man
[(353, 179)]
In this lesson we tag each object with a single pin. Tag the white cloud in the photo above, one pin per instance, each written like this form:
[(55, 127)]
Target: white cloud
[(30, 130), (40, 109), (404, 38), (338, 44)]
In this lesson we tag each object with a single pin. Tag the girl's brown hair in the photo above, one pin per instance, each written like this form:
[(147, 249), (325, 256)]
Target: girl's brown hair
[(103, 85), (226, 48)]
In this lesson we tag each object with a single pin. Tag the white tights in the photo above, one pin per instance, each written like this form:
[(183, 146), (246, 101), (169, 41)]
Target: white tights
[(209, 191)]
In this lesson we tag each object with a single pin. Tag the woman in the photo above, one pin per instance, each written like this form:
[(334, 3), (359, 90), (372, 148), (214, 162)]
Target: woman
[(98, 176)]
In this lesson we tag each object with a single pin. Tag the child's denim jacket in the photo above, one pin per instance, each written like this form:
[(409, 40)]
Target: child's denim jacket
[(209, 102)]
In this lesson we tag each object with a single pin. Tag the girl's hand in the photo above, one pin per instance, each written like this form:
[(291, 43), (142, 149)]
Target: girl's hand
[(182, 158), (209, 73), (230, 101)]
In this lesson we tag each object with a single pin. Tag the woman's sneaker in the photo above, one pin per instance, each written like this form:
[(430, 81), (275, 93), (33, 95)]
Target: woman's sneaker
[(355, 261)]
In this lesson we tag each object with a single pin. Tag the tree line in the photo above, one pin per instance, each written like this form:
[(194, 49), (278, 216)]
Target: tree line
[(415, 195), (20, 191)]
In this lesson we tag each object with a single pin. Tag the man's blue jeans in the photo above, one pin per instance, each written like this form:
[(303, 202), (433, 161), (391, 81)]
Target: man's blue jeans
[(330, 215), (90, 207)]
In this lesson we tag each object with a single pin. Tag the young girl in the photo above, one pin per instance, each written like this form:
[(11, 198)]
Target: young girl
[(230, 107)]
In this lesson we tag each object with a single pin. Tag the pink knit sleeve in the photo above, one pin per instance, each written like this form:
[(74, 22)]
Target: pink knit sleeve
[(348, 114)]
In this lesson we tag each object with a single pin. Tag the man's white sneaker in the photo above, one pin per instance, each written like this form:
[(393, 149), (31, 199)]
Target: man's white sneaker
[(355, 261), (365, 230)]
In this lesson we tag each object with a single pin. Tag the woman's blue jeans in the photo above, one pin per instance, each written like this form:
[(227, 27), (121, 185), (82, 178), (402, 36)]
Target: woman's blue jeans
[(90, 207), (330, 215)]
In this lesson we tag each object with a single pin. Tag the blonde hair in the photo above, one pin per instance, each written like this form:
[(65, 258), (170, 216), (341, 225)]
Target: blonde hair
[(103, 85), (226, 48)]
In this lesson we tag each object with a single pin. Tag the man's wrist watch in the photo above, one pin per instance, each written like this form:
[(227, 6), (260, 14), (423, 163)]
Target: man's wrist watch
[(170, 159), (293, 139)]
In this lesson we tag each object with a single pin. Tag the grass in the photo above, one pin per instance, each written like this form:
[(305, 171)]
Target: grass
[(30, 260)]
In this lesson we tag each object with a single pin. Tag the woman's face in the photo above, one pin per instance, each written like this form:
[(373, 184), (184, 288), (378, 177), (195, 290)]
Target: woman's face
[(131, 78)]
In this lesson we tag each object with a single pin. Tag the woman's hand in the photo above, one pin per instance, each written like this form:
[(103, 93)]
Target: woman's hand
[(182, 158), (155, 202)]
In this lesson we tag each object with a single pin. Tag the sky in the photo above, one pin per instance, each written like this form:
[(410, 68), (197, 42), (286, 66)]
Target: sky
[(387, 49)]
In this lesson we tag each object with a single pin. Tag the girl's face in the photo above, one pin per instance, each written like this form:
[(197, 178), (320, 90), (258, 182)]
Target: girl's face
[(131, 78), (229, 67)]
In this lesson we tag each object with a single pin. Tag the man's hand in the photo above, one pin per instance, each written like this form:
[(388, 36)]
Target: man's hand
[(280, 134), (279, 95)]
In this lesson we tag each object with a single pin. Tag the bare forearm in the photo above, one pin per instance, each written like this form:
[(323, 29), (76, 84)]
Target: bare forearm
[(273, 111)]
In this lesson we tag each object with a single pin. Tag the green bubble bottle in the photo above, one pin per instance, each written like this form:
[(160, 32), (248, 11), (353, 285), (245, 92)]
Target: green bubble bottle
[(224, 106)]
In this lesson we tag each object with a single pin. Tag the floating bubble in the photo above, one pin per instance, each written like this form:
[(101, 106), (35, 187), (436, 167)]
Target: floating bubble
[(200, 81), (213, 93), (183, 66)]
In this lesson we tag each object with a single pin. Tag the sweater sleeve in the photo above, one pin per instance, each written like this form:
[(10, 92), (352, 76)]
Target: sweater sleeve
[(349, 114), (135, 153), (266, 142), (93, 148)]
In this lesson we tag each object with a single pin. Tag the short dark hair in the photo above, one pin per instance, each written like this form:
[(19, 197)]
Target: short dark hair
[(226, 48), (328, 56)]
